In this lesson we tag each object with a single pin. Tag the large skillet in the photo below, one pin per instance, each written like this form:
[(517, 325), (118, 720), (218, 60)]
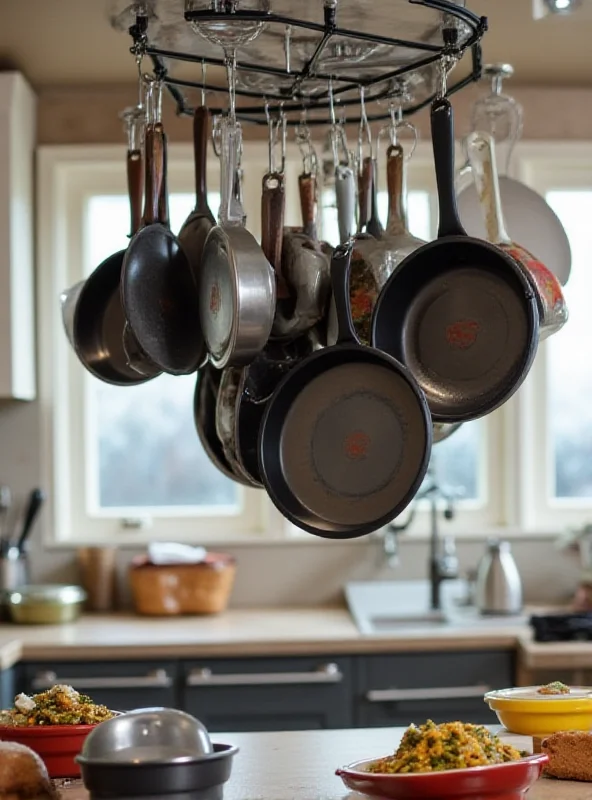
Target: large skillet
[(237, 291), (98, 323), (346, 437), (458, 311), (158, 290)]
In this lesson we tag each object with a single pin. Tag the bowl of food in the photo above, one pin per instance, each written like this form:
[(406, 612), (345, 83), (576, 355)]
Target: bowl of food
[(543, 710), (54, 724), (451, 760)]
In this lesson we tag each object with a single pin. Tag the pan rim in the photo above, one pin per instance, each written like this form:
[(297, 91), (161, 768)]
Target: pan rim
[(527, 295), (333, 352)]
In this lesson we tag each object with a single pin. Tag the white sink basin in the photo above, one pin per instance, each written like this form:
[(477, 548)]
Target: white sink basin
[(380, 607)]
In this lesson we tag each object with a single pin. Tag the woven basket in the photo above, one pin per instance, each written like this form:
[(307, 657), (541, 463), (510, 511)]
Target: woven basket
[(172, 589)]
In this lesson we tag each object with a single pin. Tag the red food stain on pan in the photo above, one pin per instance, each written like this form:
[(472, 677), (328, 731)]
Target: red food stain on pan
[(462, 334), (215, 300), (356, 445)]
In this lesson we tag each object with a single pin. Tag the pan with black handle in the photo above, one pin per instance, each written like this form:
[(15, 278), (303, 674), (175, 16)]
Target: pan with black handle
[(346, 437), (458, 312)]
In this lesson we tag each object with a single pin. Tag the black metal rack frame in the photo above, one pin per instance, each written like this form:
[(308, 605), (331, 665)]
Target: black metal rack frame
[(294, 99)]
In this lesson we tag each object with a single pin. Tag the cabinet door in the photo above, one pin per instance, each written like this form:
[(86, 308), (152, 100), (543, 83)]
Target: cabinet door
[(269, 694), (401, 689), (118, 685)]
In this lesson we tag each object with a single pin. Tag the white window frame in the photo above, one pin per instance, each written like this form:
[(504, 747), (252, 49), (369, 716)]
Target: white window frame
[(513, 442)]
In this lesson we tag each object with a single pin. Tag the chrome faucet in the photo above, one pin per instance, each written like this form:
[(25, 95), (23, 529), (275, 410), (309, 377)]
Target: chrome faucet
[(443, 561)]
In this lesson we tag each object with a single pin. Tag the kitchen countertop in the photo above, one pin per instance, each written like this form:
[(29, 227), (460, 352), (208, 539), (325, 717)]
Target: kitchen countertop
[(266, 632), (300, 765)]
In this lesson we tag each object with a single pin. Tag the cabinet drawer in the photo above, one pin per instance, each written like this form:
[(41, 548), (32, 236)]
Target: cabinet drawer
[(7, 687), (269, 694), (118, 685), (400, 689)]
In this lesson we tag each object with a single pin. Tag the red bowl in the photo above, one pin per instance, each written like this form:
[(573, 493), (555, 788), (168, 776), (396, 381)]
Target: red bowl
[(58, 745), (509, 781)]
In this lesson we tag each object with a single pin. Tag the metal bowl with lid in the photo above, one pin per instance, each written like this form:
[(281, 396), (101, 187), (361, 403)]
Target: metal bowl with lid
[(45, 604), (154, 752)]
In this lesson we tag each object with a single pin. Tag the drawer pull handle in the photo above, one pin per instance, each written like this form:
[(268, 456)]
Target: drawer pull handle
[(436, 693), (156, 679), (327, 673)]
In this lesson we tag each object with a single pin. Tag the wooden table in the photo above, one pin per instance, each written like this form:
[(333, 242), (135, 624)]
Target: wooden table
[(300, 765)]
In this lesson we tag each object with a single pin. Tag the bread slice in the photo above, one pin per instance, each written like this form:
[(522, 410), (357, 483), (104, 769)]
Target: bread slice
[(23, 775), (570, 755)]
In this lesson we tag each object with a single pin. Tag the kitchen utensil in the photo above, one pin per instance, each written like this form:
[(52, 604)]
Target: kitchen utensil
[(98, 572), (36, 500), (458, 312), (523, 710), (480, 149), (237, 284), (158, 290), (507, 781), (196, 227), (45, 604), (5, 504), (204, 414), (305, 270), (92, 312), (174, 589), (177, 735), (345, 439), (531, 221), (56, 745), (226, 422), (14, 571), (498, 588), (199, 779), (374, 226)]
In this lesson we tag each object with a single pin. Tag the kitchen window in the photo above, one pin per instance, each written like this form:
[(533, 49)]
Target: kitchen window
[(125, 464)]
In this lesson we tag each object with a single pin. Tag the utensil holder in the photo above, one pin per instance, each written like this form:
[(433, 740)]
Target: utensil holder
[(14, 572)]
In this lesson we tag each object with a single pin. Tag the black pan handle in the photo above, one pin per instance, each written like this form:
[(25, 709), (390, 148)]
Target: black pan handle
[(340, 269), (442, 120)]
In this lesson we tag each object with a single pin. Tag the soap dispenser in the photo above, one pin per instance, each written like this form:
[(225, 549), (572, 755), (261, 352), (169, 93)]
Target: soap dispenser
[(498, 587)]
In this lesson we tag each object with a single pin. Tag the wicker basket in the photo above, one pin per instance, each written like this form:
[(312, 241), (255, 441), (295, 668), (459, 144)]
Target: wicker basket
[(172, 589)]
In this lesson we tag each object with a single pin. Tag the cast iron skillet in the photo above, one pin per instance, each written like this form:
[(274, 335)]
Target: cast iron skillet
[(346, 437), (458, 312)]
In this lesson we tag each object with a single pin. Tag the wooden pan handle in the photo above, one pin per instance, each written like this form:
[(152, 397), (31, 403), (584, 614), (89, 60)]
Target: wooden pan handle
[(365, 179), (135, 188), (273, 197), (307, 186), (201, 135), (395, 182)]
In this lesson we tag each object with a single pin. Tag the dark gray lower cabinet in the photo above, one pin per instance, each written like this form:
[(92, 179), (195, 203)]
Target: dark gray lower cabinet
[(269, 694), (7, 687), (121, 685), (442, 686)]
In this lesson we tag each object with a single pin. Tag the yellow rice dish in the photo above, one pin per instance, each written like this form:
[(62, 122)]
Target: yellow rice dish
[(60, 705), (451, 745)]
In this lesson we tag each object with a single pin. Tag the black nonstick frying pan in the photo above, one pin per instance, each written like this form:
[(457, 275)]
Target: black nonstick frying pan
[(458, 312), (346, 437)]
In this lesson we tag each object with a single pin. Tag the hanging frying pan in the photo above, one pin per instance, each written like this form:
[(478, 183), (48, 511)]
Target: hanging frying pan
[(346, 437), (204, 414), (237, 289), (198, 224), (458, 312), (98, 321), (158, 291)]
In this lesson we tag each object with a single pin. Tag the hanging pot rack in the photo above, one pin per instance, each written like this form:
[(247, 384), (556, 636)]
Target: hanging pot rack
[(462, 31)]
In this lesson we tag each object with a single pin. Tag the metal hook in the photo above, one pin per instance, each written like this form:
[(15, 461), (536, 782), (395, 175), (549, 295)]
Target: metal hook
[(270, 140), (203, 82), (306, 147), (283, 124), (363, 130), (287, 44), (447, 64)]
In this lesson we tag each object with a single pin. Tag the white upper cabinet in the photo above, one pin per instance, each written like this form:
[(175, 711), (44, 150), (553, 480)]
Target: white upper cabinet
[(17, 295)]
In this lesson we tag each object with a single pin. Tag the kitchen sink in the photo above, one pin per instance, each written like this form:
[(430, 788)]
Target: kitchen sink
[(382, 607)]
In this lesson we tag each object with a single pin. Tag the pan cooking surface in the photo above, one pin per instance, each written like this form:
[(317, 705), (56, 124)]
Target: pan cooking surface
[(217, 294), (465, 333), (352, 443)]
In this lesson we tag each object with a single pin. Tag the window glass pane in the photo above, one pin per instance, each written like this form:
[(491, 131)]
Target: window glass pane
[(143, 450), (456, 461), (570, 376)]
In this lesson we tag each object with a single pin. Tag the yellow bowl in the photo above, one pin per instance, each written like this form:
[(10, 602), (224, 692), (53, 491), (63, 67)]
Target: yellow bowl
[(523, 710)]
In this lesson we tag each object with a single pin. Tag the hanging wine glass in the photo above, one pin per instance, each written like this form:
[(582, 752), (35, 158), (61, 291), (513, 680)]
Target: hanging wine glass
[(225, 32)]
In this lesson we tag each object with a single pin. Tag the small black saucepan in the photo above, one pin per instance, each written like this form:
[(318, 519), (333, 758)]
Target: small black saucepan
[(458, 312), (346, 437)]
